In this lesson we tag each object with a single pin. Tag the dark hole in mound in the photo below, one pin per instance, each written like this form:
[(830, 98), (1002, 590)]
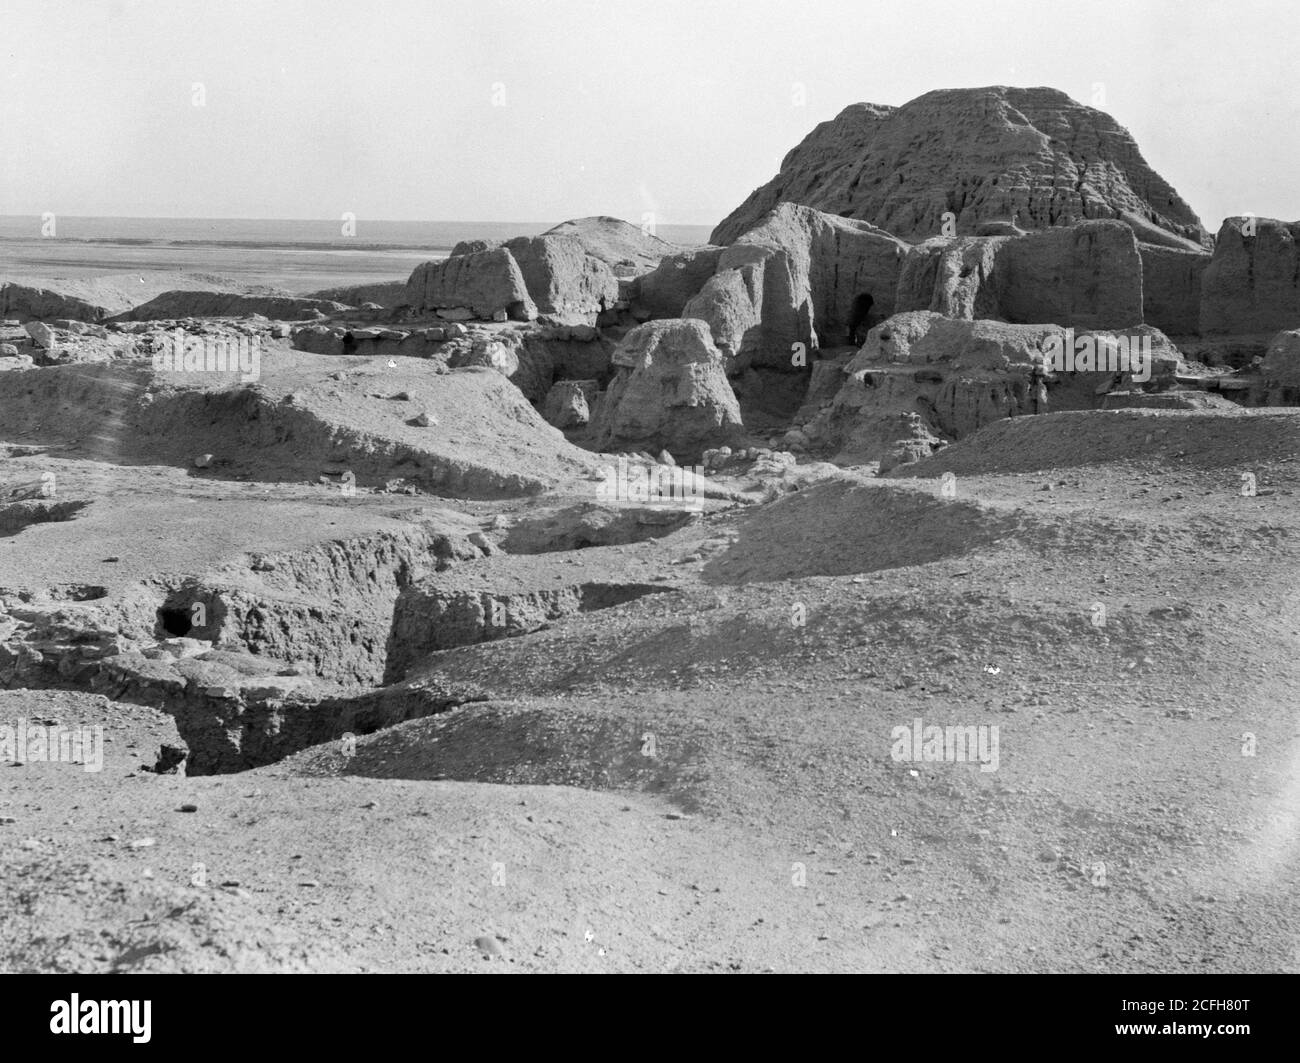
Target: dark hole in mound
[(860, 317), (175, 621)]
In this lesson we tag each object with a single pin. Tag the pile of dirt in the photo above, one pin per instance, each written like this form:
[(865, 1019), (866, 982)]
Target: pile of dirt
[(1211, 439), (512, 744), (174, 304), (625, 248), (465, 433)]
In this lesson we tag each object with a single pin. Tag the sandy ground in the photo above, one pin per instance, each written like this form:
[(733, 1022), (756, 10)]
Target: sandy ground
[(705, 779), (678, 746)]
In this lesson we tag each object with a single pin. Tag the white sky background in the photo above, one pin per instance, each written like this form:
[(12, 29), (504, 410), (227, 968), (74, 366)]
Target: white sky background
[(681, 107)]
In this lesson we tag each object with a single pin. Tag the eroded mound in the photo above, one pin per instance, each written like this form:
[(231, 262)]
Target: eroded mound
[(458, 433), (1001, 146), (550, 745), (842, 528), (1212, 439)]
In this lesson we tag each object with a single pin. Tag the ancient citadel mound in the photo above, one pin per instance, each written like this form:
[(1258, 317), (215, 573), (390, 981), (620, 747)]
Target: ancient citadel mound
[(1031, 156)]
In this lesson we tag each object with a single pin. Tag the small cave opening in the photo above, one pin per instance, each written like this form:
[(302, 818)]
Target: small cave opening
[(860, 318), (175, 622)]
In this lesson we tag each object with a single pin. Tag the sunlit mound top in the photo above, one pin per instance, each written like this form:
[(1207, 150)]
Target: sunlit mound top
[(616, 242)]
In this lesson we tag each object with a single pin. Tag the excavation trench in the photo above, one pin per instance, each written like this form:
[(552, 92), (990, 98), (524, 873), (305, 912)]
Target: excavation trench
[(282, 652), (15, 516)]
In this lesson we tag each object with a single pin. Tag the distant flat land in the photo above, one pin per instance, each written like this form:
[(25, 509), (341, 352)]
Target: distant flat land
[(294, 255), (294, 269)]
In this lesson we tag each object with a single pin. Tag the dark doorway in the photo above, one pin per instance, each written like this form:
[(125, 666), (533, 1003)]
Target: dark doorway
[(860, 319), (175, 622)]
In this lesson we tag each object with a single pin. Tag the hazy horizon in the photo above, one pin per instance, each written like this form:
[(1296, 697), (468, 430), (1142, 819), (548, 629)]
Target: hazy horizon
[(387, 221), (502, 110)]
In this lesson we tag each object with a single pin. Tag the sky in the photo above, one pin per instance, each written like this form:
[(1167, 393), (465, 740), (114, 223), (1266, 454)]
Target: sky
[(541, 110)]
